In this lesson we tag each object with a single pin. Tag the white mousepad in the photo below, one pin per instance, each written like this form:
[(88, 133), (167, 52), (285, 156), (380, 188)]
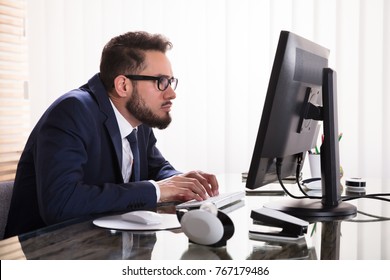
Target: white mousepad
[(169, 221)]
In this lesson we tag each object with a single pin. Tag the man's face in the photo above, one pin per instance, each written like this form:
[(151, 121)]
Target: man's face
[(147, 103)]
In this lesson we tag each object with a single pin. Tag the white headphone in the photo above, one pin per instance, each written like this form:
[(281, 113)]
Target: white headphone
[(206, 225)]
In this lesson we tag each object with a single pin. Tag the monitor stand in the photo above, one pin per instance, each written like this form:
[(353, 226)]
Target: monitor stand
[(329, 207), (313, 210)]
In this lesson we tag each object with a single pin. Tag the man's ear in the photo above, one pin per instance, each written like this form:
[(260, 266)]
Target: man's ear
[(123, 86)]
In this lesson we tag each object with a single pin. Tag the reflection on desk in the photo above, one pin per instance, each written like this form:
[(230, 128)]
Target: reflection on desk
[(283, 251), (360, 238)]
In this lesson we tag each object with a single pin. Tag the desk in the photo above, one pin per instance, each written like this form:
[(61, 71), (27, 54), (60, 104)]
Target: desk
[(363, 237)]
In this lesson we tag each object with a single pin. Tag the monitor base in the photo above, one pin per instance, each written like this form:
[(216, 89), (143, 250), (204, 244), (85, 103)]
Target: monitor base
[(312, 210)]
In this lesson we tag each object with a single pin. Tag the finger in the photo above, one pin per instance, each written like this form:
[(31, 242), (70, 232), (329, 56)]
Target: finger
[(191, 184), (212, 180), (187, 194), (195, 186), (208, 181), (174, 193), (205, 180)]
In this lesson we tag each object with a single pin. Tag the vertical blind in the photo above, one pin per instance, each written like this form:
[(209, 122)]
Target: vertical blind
[(14, 104)]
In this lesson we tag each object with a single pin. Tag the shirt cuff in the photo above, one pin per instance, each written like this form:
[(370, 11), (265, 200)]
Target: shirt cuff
[(158, 194)]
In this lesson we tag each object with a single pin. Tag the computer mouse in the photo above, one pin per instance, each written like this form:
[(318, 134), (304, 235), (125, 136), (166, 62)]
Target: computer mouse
[(143, 217)]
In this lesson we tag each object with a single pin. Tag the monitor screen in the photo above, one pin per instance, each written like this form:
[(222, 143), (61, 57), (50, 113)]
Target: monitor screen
[(301, 93)]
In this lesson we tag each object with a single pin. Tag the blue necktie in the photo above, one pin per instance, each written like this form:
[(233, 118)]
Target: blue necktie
[(132, 138)]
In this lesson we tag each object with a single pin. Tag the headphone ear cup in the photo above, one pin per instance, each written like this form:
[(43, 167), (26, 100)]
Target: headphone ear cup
[(209, 207), (202, 227)]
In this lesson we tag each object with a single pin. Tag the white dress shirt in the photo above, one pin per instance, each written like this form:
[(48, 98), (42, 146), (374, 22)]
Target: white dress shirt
[(125, 129)]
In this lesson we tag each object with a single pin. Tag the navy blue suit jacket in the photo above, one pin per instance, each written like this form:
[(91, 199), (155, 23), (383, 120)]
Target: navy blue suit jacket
[(71, 164)]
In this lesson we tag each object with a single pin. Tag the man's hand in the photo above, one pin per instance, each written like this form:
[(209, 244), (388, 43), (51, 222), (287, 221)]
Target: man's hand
[(192, 185)]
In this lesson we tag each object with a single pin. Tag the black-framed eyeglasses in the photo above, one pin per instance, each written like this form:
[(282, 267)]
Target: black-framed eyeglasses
[(162, 81)]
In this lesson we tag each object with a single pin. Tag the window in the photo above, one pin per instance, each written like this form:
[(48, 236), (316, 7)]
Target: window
[(14, 103)]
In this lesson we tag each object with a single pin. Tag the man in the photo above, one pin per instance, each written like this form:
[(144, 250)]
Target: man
[(78, 160)]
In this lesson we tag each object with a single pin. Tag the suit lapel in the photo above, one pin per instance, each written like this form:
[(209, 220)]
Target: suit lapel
[(99, 92)]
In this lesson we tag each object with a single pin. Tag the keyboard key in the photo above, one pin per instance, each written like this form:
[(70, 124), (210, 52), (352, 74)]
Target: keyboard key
[(219, 201)]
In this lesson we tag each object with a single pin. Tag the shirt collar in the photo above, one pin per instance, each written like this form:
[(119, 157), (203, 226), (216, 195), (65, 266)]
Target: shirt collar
[(124, 127)]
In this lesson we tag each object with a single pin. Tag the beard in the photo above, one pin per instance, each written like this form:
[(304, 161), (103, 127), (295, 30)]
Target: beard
[(138, 108)]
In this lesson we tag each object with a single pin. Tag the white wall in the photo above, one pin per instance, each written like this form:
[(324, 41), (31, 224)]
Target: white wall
[(223, 53)]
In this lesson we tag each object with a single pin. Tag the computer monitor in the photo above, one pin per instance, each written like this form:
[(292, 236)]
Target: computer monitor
[(301, 92)]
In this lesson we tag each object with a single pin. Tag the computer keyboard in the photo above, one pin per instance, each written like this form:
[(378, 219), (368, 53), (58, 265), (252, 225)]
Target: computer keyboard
[(219, 201)]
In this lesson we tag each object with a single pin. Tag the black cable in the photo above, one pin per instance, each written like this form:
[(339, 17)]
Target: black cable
[(373, 216), (377, 196), (279, 174), (297, 173), (376, 218)]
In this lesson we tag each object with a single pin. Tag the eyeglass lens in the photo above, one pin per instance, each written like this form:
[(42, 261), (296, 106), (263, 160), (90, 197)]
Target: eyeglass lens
[(164, 82)]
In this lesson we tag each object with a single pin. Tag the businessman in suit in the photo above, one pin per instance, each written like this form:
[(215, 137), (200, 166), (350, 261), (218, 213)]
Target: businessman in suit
[(78, 161)]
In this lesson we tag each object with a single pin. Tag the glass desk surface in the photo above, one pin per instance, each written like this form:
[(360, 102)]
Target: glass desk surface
[(362, 237)]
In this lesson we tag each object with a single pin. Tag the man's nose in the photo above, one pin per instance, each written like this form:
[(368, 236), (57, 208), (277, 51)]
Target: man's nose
[(169, 93)]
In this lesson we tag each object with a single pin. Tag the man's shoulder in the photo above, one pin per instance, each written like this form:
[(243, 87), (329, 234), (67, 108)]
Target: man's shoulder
[(88, 93), (75, 96)]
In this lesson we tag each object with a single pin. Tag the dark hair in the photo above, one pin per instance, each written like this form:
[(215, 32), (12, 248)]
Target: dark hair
[(125, 54)]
